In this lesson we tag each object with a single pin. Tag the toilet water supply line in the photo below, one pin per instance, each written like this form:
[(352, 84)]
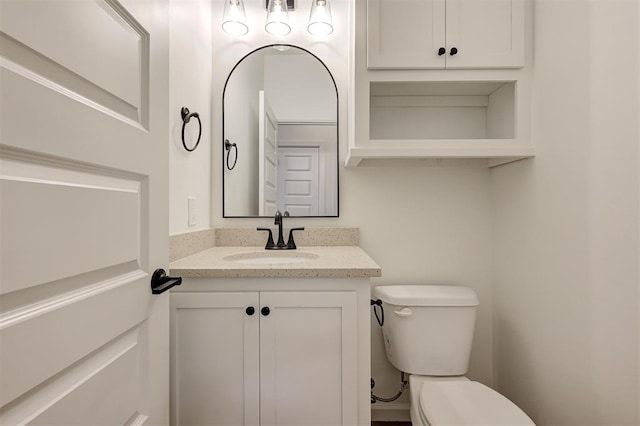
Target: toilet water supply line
[(403, 385), (375, 304), (403, 382)]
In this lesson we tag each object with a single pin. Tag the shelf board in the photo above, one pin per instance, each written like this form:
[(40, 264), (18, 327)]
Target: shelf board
[(495, 156)]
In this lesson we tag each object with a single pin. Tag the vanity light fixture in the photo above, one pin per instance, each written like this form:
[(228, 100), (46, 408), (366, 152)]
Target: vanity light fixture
[(234, 21), (320, 23), (277, 18)]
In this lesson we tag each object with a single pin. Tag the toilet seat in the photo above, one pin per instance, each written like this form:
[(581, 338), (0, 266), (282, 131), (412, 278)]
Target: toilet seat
[(467, 403)]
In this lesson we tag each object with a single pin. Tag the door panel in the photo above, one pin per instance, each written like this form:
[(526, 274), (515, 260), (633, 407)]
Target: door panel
[(308, 358), (73, 31), (323, 138), (77, 205), (59, 339), (84, 160), (109, 378), (116, 78), (109, 392), (267, 158), (298, 180)]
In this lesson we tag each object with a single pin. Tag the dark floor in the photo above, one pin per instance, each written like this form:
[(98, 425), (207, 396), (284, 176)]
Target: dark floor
[(390, 423)]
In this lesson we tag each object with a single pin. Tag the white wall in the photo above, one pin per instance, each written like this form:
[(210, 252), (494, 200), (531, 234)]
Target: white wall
[(564, 314), (422, 225), (566, 225), (242, 115), (190, 86), (305, 95)]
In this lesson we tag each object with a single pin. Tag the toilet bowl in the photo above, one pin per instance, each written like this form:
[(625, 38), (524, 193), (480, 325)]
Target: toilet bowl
[(427, 333), (457, 401)]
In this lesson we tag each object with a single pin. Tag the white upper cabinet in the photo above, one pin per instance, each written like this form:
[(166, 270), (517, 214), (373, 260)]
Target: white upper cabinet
[(405, 33), (442, 34)]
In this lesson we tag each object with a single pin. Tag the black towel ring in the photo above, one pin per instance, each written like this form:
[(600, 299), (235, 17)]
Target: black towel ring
[(227, 146), (186, 117)]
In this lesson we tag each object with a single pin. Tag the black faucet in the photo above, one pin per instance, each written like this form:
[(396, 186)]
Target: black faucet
[(280, 245), (278, 221)]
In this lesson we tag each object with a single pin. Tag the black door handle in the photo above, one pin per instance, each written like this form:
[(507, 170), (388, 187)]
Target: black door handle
[(442, 51), (265, 311), (161, 282), (250, 310), (454, 50)]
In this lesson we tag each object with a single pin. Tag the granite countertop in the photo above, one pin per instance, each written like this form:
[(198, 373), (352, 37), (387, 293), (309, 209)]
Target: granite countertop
[(320, 262)]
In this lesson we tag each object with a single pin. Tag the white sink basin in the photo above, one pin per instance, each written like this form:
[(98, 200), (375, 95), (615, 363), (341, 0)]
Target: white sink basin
[(271, 257)]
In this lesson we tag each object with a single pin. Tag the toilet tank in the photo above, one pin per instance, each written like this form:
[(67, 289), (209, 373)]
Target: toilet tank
[(428, 329)]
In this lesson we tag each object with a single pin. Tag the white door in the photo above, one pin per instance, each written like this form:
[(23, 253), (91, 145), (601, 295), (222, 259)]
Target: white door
[(487, 33), (405, 33), (323, 137), (84, 222), (308, 359), (298, 176), (215, 369), (267, 158)]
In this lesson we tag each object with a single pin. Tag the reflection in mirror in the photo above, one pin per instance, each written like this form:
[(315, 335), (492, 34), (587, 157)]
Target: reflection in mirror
[(280, 109)]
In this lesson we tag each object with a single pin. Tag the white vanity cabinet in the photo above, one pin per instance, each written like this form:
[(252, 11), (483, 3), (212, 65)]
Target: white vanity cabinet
[(270, 352), (445, 34)]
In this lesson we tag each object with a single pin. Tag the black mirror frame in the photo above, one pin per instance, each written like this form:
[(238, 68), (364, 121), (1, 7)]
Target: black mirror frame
[(224, 215)]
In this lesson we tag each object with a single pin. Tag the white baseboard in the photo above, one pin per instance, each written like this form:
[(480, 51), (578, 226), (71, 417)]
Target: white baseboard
[(390, 412)]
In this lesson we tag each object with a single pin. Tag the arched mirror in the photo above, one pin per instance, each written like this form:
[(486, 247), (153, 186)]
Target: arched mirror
[(280, 134)]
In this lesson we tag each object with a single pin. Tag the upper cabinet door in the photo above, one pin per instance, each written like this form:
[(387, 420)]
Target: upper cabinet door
[(423, 34), (405, 33), (485, 33)]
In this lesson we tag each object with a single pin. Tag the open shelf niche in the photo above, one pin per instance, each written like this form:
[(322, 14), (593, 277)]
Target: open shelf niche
[(442, 119)]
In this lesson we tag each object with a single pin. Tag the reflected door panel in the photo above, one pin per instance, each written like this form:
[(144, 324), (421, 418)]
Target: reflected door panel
[(268, 158), (298, 180)]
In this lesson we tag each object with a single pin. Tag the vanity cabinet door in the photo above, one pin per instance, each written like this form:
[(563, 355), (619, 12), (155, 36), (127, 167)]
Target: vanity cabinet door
[(215, 359), (308, 358)]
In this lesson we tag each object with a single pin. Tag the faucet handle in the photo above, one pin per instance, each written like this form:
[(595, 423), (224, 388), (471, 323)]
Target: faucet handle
[(291, 244), (270, 243)]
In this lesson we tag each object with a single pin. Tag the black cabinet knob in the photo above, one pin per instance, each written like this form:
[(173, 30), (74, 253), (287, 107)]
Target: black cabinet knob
[(442, 51), (454, 50), (250, 310), (265, 311)]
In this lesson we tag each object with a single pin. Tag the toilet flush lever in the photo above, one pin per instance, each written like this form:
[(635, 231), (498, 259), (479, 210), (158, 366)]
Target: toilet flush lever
[(404, 312)]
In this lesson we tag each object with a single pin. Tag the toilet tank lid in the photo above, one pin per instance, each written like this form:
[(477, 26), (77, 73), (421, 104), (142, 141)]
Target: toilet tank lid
[(468, 403), (426, 295)]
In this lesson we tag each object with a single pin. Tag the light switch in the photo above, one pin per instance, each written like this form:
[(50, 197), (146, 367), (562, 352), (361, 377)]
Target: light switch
[(191, 202)]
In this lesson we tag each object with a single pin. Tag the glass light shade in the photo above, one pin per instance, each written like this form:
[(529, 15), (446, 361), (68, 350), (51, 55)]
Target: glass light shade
[(320, 23), (278, 18), (234, 21)]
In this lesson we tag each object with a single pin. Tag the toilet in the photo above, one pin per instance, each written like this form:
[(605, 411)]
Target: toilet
[(427, 333)]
